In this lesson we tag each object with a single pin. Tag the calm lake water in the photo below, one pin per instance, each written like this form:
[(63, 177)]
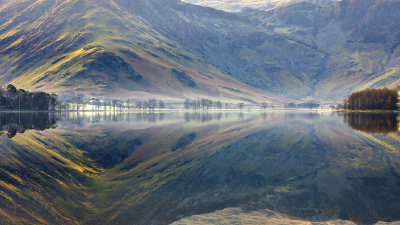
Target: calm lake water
[(95, 168)]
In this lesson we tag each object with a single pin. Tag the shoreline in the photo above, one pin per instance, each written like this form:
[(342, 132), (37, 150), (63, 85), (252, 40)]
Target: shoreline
[(369, 111), (197, 111)]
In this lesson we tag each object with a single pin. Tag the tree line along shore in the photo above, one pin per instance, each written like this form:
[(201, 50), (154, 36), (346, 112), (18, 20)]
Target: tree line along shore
[(13, 99), (373, 99)]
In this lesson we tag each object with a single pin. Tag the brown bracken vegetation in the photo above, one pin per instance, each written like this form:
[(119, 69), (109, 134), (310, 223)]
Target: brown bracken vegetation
[(373, 99)]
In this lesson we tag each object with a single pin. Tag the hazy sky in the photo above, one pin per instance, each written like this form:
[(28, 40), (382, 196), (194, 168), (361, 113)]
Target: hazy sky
[(236, 5)]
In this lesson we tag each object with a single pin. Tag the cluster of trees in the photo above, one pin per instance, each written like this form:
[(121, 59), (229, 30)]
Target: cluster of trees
[(79, 102), (13, 99), (150, 105), (206, 104), (373, 99), (203, 104), (309, 105)]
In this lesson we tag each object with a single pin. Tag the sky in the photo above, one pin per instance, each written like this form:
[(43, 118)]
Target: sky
[(237, 5)]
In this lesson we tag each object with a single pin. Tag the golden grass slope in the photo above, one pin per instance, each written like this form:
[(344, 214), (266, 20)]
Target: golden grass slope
[(51, 52)]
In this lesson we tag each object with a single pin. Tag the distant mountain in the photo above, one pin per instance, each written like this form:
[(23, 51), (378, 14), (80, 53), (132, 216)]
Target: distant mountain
[(175, 50)]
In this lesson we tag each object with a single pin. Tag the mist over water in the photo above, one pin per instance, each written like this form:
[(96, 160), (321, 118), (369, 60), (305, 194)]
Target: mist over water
[(102, 168), (376, 123)]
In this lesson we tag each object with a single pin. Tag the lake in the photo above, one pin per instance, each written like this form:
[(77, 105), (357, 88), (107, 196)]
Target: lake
[(199, 168)]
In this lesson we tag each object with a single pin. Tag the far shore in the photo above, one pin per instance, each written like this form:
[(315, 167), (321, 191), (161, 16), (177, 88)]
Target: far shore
[(196, 111), (368, 111)]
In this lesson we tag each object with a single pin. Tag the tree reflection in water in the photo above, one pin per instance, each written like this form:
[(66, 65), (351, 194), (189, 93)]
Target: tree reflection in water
[(373, 123), (13, 123)]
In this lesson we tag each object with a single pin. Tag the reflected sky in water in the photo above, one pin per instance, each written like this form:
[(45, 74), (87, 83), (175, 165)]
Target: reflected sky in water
[(110, 168)]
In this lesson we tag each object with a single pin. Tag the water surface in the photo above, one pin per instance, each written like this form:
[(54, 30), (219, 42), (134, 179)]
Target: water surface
[(107, 168)]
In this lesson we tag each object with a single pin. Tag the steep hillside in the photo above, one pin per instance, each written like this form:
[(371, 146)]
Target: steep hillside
[(96, 47), (301, 51), (238, 46), (359, 41)]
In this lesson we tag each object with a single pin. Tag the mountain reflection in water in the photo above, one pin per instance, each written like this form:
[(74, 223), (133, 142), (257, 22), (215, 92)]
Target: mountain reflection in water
[(110, 168)]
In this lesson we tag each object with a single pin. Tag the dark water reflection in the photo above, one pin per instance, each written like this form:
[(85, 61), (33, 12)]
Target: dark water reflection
[(372, 122), (110, 168), (13, 123)]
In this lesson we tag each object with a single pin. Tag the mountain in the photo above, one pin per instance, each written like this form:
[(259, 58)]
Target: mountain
[(174, 50), (99, 48), (359, 42)]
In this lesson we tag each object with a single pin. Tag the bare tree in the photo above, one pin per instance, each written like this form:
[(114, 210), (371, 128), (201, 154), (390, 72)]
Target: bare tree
[(241, 105), (161, 104), (139, 105), (219, 105), (196, 105), (81, 100), (128, 105), (152, 104), (115, 104), (98, 104), (105, 105), (186, 104), (264, 105)]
